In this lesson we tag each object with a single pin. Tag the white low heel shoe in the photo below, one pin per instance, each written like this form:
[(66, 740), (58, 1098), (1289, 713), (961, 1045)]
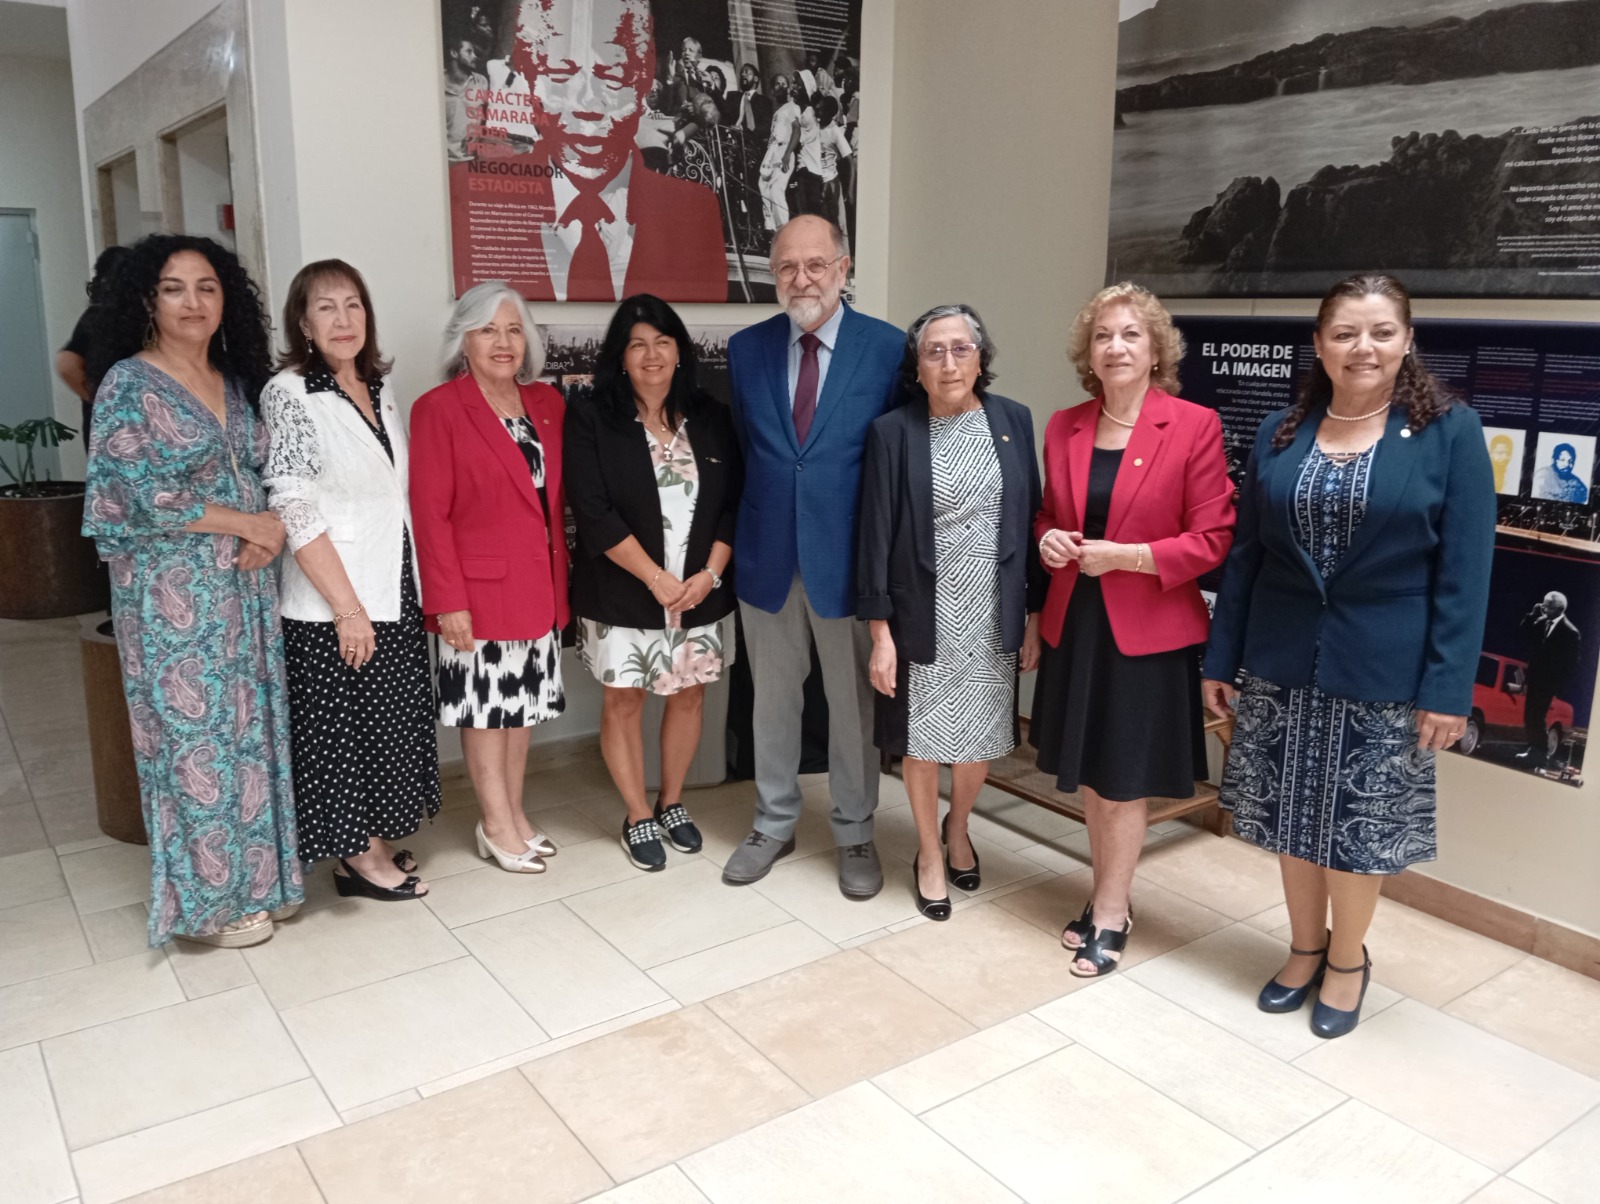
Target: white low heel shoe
[(542, 845), (525, 863)]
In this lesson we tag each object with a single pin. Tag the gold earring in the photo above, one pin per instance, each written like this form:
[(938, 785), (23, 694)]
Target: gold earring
[(150, 338)]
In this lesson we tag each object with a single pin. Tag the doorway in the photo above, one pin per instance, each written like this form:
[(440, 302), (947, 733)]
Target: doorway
[(197, 178), (24, 347)]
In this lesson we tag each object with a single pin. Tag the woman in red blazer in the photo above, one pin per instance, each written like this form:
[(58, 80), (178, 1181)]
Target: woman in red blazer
[(486, 504), (1137, 506)]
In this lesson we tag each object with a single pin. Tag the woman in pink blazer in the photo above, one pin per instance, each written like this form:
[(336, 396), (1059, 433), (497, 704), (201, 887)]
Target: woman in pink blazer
[(1137, 506), (486, 505)]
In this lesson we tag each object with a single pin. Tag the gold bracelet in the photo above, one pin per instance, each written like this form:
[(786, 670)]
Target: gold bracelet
[(656, 578), (349, 614)]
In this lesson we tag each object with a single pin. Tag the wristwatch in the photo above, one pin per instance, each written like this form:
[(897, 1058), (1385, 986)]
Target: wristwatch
[(716, 581)]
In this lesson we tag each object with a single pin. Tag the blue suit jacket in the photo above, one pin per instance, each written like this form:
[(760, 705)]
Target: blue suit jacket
[(798, 511), (1400, 619)]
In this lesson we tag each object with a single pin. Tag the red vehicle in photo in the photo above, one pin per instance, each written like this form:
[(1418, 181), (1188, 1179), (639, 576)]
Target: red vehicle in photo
[(1498, 698)]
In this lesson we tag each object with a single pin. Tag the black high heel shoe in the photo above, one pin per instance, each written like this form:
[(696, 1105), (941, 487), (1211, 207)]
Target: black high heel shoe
[(352, 884), (967, 880), (1334, 1022), (934, 909), (1096, 949), (1275, 997), (1083, 927)]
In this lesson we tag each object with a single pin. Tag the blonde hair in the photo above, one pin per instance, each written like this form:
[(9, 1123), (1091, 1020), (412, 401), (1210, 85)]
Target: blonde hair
[(1166, 344)]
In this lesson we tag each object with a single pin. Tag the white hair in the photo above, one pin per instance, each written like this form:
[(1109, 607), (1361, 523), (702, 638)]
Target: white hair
[(475, 310)]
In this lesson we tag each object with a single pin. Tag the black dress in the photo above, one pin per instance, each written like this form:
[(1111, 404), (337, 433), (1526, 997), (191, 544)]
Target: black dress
[(366, 758), (1127, 727)]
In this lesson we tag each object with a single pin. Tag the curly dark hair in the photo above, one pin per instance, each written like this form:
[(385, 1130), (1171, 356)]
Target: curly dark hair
[(105, 270), (1416, 390), (910, 387), (241, 347), (613, 393)]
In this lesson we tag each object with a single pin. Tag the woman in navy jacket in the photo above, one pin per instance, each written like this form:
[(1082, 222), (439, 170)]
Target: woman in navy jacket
[(1352, 606), (949, 580)]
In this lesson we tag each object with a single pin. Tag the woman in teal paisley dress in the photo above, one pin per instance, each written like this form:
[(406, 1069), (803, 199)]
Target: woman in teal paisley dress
[(176, 507)]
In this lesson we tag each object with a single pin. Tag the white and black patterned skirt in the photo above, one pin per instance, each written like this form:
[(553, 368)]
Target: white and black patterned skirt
[(502, 683)]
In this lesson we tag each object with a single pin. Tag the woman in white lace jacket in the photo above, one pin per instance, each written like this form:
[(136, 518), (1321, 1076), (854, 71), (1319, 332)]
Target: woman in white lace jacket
[(366, 765)]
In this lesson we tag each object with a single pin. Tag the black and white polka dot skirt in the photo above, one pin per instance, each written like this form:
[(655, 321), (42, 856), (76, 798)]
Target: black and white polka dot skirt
[(366, 757), (501, 683)]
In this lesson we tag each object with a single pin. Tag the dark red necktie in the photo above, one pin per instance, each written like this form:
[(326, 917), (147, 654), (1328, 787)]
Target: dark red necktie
[(589, 277), (805, 388)]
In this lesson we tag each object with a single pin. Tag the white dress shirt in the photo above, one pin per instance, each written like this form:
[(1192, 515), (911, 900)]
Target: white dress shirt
[(828, 332), (561, 241)]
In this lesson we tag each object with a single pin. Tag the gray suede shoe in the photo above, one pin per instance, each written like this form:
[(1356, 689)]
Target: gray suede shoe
[(860, 874), (752, 859)]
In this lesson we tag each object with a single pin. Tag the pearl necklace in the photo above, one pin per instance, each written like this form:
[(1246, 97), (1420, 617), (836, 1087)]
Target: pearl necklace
[(1105, 413), (1358, 417)]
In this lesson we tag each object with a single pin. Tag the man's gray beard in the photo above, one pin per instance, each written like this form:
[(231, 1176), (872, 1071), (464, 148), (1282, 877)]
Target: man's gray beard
[(804, 310)]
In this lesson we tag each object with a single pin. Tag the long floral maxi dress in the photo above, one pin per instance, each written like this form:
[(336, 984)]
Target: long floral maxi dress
[(202, 650)]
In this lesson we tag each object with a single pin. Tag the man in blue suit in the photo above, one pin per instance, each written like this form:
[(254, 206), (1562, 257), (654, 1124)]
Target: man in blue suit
[(807, 385)]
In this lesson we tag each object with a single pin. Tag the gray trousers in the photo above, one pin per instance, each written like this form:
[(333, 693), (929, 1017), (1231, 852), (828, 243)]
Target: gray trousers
[(779, 648)]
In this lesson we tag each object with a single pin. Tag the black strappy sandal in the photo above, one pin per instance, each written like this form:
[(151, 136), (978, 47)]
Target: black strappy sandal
[(1083, 927), (967, 880), (405, 862), (351, 884), (1097, 950)]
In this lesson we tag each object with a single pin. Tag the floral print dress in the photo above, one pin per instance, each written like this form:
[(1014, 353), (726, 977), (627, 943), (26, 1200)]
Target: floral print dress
[(201, 647), (671, 658)]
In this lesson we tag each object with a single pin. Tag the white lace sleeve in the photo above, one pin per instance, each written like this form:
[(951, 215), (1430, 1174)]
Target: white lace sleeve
[(293, 465)]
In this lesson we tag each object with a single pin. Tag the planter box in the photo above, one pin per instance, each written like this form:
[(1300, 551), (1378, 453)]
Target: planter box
[(48, 569)]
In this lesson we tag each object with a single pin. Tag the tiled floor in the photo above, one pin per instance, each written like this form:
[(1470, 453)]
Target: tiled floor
[(596, 1033)]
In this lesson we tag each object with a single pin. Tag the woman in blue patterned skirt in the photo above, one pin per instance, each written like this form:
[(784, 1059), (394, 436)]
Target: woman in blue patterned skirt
[(176, 506), (1350, 618)]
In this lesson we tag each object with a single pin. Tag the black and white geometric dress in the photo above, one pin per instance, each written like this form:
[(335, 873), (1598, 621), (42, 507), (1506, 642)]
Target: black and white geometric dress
[(1338, 783), (962, 707), (505, 683)]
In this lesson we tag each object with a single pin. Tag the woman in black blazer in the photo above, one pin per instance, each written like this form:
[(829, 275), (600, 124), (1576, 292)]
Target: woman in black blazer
[(949, 577), (653, 474)]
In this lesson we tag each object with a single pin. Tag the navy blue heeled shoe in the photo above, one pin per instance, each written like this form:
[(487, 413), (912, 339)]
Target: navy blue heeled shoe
[(1275, 997), (1333, 1022)]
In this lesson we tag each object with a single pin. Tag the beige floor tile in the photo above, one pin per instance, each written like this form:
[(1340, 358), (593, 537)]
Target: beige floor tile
[(83, 846), (1015, 823), (742, 962), (145, 1070), (1353, 1153), (984, 964), (219, 1137), (839, 1020), (1021, 1127), (1219, 976), (656, 918), (380, 1039), (37, 1169), (445, 846), (556, 966), (21, 830), (1222, 873), (78, 999), (30, 878), (108, 877), (1505, 1191), (1238, 1087), (485, 893), (1270, 920), (854, 1145), (276, 1177), (1163, 920), (567, 826), (37, 939), (668, 1185), (118, 933), (69, 818), (204, 970), (1542, 1007), (1429, 959), (650, 1094), (940, 1076), (896, 834), (491, 1141), (1564, 1170), (725, 826), (1436, 1074), (604, 1029), (378, 1107), (358, 942), (64, 770), (808, 889)]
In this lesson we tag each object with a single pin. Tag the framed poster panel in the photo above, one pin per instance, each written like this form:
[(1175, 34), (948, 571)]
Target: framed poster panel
[(601, 148)]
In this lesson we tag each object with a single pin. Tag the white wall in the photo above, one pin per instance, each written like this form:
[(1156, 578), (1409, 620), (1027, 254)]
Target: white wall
[(39, 171), (203, 179), (112, 37)]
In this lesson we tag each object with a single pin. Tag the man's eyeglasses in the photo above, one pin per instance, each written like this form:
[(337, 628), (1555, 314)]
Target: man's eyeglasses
[(813, 268), (935, 352)]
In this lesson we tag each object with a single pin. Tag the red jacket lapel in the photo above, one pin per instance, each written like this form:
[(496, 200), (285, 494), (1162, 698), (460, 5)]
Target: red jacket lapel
[(1080, 452), (501, 445), (1139, 461)]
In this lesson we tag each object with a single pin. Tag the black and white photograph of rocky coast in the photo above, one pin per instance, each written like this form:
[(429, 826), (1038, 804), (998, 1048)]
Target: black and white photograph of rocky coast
[(1269, 147)]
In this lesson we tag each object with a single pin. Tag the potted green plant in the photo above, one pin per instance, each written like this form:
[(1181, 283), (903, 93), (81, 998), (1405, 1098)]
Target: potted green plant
[(48, 569)]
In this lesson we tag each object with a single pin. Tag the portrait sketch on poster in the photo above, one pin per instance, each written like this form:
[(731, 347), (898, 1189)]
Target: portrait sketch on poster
[(601, 148), (1536, 386), (1269, 149)]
